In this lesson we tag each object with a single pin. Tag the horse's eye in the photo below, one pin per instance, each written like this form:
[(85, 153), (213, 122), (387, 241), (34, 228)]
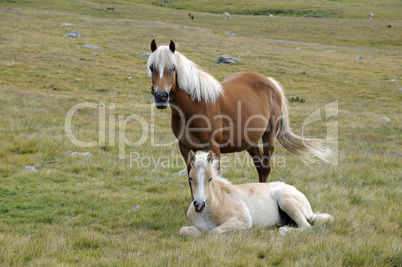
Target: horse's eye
[(151, 68), (173, 69), (210, 179), (190, 179)]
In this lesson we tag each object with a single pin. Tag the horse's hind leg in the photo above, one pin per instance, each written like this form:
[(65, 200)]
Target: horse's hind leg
[(268, 140), (268, 148), (295, 205), (256, 154)]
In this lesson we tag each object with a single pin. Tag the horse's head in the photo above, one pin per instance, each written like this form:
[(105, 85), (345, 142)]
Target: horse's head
[(162, 68), (200, 177)]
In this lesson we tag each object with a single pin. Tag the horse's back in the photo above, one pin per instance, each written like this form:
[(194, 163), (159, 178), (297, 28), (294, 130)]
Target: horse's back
[(245, 78), (255, 87)]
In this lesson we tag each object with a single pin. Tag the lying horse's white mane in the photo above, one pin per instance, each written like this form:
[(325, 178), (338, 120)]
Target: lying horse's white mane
[(190, 78), (201, 160)]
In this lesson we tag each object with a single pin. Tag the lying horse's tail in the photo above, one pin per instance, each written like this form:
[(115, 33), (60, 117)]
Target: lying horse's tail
[(302, 147)]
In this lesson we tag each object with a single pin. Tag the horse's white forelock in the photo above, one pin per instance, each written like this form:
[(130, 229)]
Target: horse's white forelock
[(190, 78), (160, 59), (201, 161)]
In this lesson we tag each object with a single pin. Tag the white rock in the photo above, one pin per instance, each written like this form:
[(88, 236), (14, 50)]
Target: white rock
[(384, 119), (30, 169)]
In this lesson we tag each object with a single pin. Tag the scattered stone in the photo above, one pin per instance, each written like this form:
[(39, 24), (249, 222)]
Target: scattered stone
[(329, 51), (37, 166), (83, 154), (30, 169), (94, 54), (359, 57), (389, 26), (400, 89), (67, 24), (73, 34), (393, 80), (384, 119), (129, 77), (298, 48), (283, 42), (145, 55), (9, 8), (120, 48), (271, 16), (138, 207), (226, 59), (182, 172), (233, 34), (91, 46), (52, 161)]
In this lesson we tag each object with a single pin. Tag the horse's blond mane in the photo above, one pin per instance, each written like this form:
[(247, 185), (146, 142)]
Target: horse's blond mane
[(201, 161), (190, 78)]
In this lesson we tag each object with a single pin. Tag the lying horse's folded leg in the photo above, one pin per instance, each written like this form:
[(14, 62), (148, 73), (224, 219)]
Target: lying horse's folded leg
[(190, 231), (296, 206), (232, 224)]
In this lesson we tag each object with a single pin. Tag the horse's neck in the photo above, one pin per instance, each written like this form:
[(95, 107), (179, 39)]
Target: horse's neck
[(182, 103), (217, 195)]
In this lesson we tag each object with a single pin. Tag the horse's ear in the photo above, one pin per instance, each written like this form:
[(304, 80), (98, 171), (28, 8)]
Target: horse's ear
[(172, 46), (153, 45), (191, 157), (210, 157)]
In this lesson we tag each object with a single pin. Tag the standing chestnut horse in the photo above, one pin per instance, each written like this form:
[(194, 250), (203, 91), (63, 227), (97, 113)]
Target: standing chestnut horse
[(225, 117)]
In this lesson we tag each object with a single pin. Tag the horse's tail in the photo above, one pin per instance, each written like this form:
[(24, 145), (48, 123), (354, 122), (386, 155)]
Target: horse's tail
[(302, 147)]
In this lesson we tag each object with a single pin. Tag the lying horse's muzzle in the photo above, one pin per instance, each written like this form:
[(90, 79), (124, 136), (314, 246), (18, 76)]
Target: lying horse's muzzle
[(161, 100), (199, 207)]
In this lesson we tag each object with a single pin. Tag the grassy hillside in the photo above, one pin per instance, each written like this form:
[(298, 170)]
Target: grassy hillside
[(80, 211), (352, 9)]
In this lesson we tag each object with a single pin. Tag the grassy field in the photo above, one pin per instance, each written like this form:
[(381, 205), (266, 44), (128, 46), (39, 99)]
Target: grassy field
[(80, 210)]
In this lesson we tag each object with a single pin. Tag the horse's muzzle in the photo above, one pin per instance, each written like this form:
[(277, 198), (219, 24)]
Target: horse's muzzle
[(199, 207), (161, 100)]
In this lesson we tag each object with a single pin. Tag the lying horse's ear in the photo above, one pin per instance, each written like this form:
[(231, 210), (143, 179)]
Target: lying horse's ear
[(153, 45), (172, 46), (210, 157), (191, 157)]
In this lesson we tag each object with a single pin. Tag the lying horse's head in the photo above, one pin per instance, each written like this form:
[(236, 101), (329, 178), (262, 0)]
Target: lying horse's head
[(202, 171), (162, 68)]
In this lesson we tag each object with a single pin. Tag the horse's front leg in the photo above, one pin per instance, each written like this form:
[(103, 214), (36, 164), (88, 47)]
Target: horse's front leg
[(184, 152), (214, 147), (190, 231), (232, 224)]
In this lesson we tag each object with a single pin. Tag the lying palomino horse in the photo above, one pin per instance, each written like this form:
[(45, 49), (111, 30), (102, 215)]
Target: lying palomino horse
[(225, 117), (219, 206)]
